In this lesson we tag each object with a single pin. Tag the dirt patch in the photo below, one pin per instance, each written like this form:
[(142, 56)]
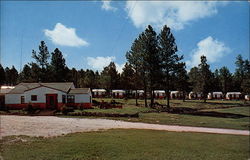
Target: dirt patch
[(49, 126)]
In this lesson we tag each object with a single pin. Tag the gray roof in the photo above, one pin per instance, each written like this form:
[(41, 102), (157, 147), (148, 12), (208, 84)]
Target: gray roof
[(22, 87), (79, 91)]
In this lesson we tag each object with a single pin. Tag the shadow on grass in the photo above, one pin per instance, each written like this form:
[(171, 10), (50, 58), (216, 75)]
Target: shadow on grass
[(196, 112), (216, 103)]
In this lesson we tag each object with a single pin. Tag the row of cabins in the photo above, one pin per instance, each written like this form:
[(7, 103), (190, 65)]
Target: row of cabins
[(45, 96), (160, 94), (56, 95)]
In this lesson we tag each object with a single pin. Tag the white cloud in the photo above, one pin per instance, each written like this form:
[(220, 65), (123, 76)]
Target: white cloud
[(119, 67), (213, 49), (106, 5), (176, 14), (61, 35), (99, 63)]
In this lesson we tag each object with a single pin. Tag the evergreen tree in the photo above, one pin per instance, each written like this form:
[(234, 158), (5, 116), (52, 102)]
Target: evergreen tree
[(205, 78), (25, 75), (127, 78), (182, 80), (35, 72), (216, 81), (14, 75), (42, 56), (42, 60), (89, 79), (7, 76), (58, 66), (245, 85), (152, 60), (193, 79), (136, 58), (239, 73), (2, 75), (225, 79), (110, 77), (168, 58)]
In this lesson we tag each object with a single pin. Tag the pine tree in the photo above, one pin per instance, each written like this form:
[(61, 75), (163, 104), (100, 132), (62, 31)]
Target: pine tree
[(2, 75), (110, 77), (182, 80), (42, 60), (205, 77), (58, 66), (136, 58), (127, 78), (152, 60), (168, 58), (239, 73), (193, 79), (225, 79), (25, 75)]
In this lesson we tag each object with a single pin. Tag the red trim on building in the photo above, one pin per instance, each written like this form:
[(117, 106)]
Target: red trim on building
[(43, 105)]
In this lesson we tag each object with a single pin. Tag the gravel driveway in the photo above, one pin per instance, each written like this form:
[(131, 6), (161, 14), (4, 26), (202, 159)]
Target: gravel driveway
[(48, 126)]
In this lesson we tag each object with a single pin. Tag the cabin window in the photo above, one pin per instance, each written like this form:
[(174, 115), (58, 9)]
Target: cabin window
[(70, 99), (63, 99), (22, 100), (33, 97)]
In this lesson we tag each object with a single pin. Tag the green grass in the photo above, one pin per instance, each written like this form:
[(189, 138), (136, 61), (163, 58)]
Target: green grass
[(125, 109), (236, 110), (128, 145), (182, 119), (198, 104)]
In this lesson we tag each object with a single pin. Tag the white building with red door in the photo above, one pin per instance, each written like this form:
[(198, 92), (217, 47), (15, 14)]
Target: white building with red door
[(47, 96)]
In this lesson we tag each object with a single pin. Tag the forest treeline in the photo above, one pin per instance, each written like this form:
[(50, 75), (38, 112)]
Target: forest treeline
[(152, 63)]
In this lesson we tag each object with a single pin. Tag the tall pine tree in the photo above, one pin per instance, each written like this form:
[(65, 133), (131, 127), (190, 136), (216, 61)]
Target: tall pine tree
[(168, 57)]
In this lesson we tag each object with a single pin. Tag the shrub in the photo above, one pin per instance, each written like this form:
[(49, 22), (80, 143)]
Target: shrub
[(66, 109)]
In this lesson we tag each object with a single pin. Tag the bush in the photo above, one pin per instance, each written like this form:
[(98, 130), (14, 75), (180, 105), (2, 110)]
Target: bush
[(66, 109), (29, 109)]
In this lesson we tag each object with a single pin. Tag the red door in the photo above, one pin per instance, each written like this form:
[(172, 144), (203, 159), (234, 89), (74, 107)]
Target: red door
[(51, 101)]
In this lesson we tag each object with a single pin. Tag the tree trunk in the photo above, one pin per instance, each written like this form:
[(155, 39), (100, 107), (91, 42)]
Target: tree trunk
[(205, 99), (152, 98), (145, 97), (145, 93), (184, 96), (168, 94), (136, 98), (168, 98)]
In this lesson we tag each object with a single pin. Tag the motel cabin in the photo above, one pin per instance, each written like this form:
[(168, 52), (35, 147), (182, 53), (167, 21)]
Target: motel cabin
[(176, 95), (118, 93), (48, 96), (159, 94), (215, 95), (247, 97), (99, 93), (195, 95), (233, 95), (140, 93)]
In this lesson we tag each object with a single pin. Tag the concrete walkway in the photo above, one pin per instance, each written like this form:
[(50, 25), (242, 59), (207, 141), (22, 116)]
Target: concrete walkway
[(48, 126)]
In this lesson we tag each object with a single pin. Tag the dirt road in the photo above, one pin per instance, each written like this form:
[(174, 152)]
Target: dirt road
[(48, 126)]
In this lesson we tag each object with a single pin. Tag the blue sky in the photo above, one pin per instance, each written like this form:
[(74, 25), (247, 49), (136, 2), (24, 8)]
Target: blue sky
[(91, 34)]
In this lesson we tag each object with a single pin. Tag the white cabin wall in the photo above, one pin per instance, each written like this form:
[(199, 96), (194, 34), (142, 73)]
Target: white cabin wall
[(41, 94), (13, 98), (82, 98)]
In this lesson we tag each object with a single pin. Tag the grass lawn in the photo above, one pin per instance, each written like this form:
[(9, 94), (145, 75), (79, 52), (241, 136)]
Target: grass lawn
[(127, 145), (126, 109), (184, 119), (197, 104)]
